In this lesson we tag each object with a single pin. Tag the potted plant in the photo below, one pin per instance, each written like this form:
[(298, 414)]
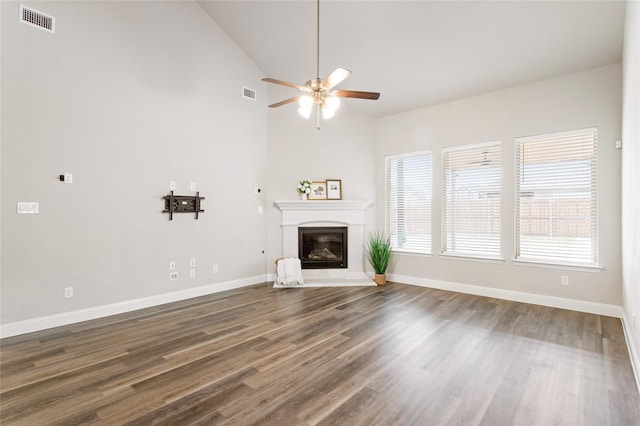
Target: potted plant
[(304, 188), (379, 255)]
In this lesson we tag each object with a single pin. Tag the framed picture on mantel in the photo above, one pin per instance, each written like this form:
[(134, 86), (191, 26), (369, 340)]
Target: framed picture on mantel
[(334, 189), (318, 191)]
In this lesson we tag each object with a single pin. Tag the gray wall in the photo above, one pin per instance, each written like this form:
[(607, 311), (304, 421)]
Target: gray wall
[(631, 182), (586, 99), (127, 96)]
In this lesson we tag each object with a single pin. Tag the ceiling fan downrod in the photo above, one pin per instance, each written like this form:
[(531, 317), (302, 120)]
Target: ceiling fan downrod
[(318, 40)]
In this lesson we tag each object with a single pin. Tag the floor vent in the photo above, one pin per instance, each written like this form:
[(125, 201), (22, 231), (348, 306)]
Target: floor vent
[(249, 93), (37, 19)]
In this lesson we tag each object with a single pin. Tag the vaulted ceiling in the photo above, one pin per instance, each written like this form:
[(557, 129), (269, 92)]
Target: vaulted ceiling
[(420, 53)]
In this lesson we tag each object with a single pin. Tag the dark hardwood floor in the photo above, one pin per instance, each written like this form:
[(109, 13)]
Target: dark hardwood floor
[(331, 356)]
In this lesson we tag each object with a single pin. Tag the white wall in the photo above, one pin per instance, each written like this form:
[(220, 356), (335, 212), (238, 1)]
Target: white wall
[(127, 96), (631, 182), (343, 149), (586, 99)]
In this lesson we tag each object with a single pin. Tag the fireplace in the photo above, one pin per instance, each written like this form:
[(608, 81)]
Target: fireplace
[(323, 247), (322, 214)]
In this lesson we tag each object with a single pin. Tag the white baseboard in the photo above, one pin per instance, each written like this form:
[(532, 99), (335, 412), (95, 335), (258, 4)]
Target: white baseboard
[(633, 354), (516, 296), (65, 318)]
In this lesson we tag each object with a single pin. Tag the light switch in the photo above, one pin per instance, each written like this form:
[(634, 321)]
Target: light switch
[(28, 207)]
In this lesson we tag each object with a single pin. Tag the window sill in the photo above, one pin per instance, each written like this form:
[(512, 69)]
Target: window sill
[(565, 266), (471, 258), (410, 253)]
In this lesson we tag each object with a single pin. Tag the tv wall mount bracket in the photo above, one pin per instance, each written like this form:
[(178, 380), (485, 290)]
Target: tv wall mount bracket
[(182, 204)]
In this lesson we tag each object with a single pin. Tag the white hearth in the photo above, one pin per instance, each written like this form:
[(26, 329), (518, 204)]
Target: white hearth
[(330, 213)]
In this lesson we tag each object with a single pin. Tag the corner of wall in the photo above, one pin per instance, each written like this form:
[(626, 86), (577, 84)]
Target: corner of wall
[(630, 181)]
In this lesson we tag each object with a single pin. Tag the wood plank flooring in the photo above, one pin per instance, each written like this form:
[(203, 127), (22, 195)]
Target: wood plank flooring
[(393, 355)]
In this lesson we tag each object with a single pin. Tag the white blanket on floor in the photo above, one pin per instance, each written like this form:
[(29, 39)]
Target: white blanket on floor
[(289, 272)]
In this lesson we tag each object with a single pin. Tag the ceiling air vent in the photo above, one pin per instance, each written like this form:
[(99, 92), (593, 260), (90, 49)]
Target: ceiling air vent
[(37, 19), (249, 93)]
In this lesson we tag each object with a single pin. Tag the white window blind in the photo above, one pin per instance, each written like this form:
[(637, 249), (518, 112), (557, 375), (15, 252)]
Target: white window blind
[(557, 202), (408, 201), (471, 194)]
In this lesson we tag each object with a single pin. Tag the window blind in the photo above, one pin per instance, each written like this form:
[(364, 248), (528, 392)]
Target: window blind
[(471, 194), (557, 201), (408, 201)]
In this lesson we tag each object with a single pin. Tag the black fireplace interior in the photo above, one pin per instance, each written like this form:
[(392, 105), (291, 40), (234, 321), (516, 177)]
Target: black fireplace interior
[(322, 247)]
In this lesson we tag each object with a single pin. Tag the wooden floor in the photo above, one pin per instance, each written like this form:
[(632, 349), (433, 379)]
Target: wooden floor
[(353, 356)]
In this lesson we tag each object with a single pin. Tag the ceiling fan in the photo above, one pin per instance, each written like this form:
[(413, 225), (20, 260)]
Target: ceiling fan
[(485, 160), (320, 92)]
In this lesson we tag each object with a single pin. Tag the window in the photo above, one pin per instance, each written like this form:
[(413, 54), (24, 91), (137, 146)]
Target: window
[(556, 202), (471, 196), (408, 201)]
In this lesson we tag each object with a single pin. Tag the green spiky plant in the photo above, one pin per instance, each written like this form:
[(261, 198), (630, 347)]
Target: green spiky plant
[(379, 251)]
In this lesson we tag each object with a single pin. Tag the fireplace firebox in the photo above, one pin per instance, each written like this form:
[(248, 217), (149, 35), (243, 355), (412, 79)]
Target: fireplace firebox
[(322, 247)]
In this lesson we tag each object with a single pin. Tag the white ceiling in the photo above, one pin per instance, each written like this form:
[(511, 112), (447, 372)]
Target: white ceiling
[(420, 53)]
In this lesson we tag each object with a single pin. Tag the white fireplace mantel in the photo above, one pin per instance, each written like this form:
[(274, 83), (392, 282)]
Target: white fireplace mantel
[(350, 213), (298, 212)]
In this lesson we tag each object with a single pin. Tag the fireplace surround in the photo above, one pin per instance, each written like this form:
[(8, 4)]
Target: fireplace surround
[(326, 213)]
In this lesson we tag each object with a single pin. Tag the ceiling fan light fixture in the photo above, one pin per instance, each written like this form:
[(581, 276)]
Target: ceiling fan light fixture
[(305, 112), (332, 102), (306, 104), (327, 113), (329, 107)]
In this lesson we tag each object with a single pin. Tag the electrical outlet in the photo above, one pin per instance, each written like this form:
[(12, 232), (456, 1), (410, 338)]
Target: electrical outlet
[(173, 276), (215, 269), (257, 190), (68, 178), (192, 186), (172, 185), (564, 280), (172, 265), (192, 263), (192, 273), (68, 292)]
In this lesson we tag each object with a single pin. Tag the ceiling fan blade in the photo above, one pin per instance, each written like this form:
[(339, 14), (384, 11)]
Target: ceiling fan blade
[(356, 94), (284, 83), (335, 78), (286, 101)]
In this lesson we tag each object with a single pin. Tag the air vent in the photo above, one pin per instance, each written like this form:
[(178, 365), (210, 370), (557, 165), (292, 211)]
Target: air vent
[(37, 19), (249, 93)]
